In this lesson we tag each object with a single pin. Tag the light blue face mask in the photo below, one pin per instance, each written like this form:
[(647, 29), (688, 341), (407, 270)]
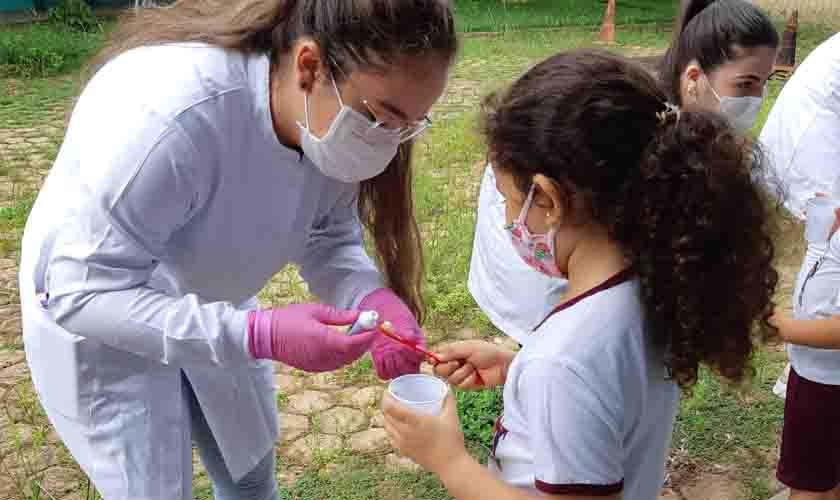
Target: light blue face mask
[(742, 112), (353, 149)]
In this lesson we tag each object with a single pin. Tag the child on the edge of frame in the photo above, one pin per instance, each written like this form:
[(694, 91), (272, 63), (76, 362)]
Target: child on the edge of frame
[(809, 462), (654, 216)]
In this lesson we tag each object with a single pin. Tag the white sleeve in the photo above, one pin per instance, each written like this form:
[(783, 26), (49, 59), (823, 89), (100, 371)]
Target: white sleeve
[(139, 191), (335, 264), (575, 433)]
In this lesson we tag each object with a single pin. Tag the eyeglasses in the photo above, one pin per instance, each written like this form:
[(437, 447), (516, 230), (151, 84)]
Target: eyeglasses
[(406, 132)]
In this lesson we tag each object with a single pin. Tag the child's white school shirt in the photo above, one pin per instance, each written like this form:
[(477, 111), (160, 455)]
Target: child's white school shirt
[(588, 408), (817, 296)]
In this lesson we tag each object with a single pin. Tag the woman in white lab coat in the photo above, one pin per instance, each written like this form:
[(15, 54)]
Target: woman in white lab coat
[(218, 142), (720, 59)]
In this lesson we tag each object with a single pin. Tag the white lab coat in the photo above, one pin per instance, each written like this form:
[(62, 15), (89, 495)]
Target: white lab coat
[(802, 132), (514, 296), (170, 205)]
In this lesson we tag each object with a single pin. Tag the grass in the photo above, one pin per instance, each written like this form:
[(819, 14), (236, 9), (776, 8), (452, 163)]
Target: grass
[(44, 49), (499, 15), (12, 221), (364, 479)]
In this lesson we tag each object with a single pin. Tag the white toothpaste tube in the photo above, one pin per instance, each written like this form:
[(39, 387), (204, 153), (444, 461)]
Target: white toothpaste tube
[(367, 321)]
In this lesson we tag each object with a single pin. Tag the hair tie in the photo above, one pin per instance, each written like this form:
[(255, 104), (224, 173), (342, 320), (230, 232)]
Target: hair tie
[(669, 111)]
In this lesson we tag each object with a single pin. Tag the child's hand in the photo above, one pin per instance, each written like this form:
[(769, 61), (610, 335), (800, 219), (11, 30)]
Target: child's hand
[(461, 360), (433, 442), (780, 319)]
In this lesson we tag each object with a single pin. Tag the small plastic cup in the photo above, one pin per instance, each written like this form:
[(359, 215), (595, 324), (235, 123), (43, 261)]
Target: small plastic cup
[(820, 217), (422, 393)]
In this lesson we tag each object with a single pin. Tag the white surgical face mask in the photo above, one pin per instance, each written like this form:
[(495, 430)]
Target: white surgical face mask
[(742, 112), (353, 149)]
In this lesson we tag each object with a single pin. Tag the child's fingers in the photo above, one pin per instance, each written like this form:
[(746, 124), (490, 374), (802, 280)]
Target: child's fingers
[(461, 374), (446, 369), (455, 351), (396, 411), (472, 382)]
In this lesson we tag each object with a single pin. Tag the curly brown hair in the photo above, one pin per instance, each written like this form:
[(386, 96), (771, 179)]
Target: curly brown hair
[(678, 193)]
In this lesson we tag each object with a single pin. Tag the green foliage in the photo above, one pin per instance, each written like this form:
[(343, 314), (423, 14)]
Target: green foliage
[(15, 216), (499, 15), (44, 50), (75, 15), (478, 411)]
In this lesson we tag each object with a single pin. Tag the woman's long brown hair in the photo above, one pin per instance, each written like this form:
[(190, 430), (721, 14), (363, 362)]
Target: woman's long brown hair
[(352, 34)]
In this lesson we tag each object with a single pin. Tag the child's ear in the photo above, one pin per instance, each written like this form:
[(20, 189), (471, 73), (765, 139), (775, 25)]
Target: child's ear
[(551, 200)]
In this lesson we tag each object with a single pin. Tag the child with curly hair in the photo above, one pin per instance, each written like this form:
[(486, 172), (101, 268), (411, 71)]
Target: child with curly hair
[(654, 216)]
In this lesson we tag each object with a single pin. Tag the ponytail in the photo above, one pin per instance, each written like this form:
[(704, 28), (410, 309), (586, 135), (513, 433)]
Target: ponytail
[(709, 32), (676, 190), (696, 227)]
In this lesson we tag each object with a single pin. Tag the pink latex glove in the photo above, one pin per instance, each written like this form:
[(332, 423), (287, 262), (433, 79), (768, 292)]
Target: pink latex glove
[(390, 358), (299, 335)]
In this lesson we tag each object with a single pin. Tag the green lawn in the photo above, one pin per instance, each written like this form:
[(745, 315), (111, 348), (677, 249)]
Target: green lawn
[(497, 15)]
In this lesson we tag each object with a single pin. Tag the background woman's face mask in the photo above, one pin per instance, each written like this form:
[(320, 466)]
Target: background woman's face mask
[(353, 149), (742, 112)]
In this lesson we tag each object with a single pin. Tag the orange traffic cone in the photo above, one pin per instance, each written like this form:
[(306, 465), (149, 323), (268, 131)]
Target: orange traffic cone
[(608, 26)]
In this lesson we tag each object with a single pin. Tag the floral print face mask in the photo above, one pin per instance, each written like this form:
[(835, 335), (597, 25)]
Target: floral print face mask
[(537, 250)]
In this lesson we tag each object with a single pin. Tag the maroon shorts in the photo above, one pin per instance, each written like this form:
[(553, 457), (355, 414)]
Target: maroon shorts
[(810, 456)]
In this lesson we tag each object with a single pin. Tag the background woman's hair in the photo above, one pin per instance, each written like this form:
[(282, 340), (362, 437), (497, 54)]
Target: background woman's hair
[(710, 32), (677, 193), (368, 35)]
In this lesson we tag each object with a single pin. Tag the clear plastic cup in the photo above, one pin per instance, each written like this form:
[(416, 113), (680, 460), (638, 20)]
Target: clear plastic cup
[(820, 217), (422, 393)]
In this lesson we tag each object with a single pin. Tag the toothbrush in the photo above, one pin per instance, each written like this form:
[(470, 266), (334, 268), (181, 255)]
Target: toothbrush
[(387, 329)]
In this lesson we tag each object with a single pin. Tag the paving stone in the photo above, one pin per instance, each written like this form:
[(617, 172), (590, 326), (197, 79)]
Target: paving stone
[(378, 419), (9, 358), (668, 494), (15, 437), (304, 448), (467, 334), (287, 384), (361, 397), (13, 374), (369, 441), (713, 487), (281, 368), (341, 421), (323, 381), (292, 427), (10, 326), (60, 480), (396, 461), (309, 401)]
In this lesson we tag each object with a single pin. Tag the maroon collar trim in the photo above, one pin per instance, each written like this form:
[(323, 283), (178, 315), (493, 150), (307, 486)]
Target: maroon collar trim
[(615, 280), (593, 490)]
